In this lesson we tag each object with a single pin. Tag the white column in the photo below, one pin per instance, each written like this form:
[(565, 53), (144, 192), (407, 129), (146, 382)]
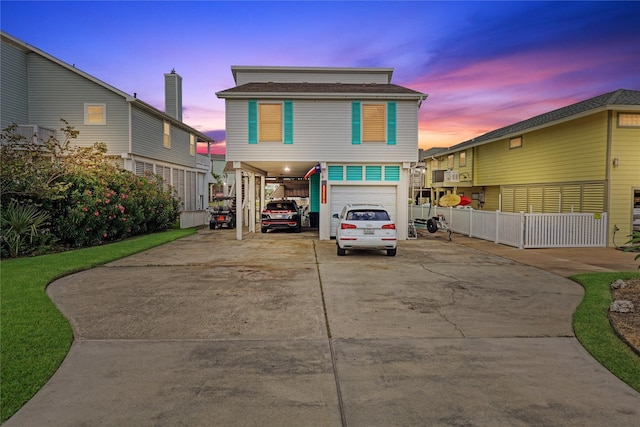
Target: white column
[(262, 191), (251, 200), (239, 210)]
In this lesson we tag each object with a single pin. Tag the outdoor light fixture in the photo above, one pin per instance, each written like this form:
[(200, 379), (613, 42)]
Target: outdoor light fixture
[(615, 162)]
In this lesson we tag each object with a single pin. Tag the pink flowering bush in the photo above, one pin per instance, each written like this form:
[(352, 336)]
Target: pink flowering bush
[(89, 200), (113, 204)]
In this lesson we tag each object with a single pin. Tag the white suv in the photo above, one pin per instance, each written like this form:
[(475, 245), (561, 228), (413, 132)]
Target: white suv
[(365, 226)]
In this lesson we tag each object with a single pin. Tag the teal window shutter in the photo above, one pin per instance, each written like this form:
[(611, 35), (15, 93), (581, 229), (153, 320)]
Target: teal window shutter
[(391, 123), (392, 173), (253, 122), (355, 123), (288, 122), (335, 173)]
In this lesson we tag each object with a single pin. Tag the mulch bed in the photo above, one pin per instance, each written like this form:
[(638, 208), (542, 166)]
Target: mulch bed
[(627, 325)]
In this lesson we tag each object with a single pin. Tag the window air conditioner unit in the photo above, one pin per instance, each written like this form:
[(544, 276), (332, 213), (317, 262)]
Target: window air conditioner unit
[(452, 176)]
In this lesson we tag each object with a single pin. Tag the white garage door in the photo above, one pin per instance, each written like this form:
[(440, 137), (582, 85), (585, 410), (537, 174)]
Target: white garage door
[(343, 194)]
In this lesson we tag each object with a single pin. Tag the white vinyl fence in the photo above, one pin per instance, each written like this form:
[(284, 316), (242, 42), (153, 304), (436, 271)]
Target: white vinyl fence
[(523, 230), (189, 219)]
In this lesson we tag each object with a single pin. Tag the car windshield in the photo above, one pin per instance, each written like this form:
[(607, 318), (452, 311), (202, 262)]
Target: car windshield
[(280, 206), (367, 215)]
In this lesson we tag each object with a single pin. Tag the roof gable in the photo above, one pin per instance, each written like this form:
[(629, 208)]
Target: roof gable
[(143, 105), (616, 99)]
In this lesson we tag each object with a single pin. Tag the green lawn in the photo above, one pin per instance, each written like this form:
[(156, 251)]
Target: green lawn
[(34, 335), (593, 330)]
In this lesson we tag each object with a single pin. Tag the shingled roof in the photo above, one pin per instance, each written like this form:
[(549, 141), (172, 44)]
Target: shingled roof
[(323, 90), (620, 97)]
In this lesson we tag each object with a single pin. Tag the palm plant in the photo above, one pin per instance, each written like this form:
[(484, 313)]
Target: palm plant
[(634, 244), (18, 221)]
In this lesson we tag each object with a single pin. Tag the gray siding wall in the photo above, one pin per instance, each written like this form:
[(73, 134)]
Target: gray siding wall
[(322, 132), (56, 92), (14, 105), (147, 135), (310, 77)]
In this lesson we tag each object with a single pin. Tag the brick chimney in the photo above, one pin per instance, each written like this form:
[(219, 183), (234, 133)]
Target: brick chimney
[(173, 95)]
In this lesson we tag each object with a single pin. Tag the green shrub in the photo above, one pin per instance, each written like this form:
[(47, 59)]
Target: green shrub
[(92, 200), (634, 244), (118, 205), (19, 221)]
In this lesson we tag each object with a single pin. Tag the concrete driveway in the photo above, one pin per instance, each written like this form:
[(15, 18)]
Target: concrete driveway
[(277, 330)]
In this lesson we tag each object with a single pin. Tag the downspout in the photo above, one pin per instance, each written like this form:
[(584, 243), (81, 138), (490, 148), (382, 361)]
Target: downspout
[(607, 207)]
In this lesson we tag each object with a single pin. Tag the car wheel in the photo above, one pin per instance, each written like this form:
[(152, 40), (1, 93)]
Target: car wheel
[(232, 225), (341, 252), (391, 252), (264, 230), (212, 226)]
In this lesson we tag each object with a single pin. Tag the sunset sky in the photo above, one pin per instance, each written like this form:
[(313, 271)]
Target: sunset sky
[(483, 64)]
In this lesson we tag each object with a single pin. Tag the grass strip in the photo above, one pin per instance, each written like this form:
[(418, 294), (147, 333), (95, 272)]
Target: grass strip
[(34, 336), (593, 330)]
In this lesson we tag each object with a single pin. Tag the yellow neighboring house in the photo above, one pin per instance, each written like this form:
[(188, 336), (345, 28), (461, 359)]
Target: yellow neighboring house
[(584, 157)]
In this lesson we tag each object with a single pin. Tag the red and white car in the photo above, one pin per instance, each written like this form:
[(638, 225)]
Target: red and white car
[(365, 226), (281, 214)]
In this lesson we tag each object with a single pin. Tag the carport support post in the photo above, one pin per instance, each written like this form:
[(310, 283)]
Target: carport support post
[(252, 202), (263, 181), (239, 209)]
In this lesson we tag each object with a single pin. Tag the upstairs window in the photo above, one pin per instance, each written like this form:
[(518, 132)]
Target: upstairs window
[(463, 158), (95, 114), (450, 161), (629, 120), (167, 135), (192, 144), (270, 122), (515, 142), (373, 122)]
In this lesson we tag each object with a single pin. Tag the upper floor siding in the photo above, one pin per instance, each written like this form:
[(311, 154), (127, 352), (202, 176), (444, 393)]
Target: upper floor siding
[(310, 75), (624, 174), (57, 93), (572, 151), (624, 159), (14, 107), (322, 130), (147, 139)]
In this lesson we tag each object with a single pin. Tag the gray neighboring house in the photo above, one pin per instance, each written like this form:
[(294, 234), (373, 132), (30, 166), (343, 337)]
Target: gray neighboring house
[(39, 89)]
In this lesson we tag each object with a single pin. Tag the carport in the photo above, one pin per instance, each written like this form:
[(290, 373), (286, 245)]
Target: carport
[(328, 191), (250, 185)]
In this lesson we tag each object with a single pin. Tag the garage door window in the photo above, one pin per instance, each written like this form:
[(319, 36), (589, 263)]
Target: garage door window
[(336, 173), (392, 173), (373, 173), (354, 173), (364, 173)]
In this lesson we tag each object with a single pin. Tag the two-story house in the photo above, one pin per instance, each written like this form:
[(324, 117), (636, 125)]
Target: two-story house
[(38, 90), (584, 157), (359, 129)]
